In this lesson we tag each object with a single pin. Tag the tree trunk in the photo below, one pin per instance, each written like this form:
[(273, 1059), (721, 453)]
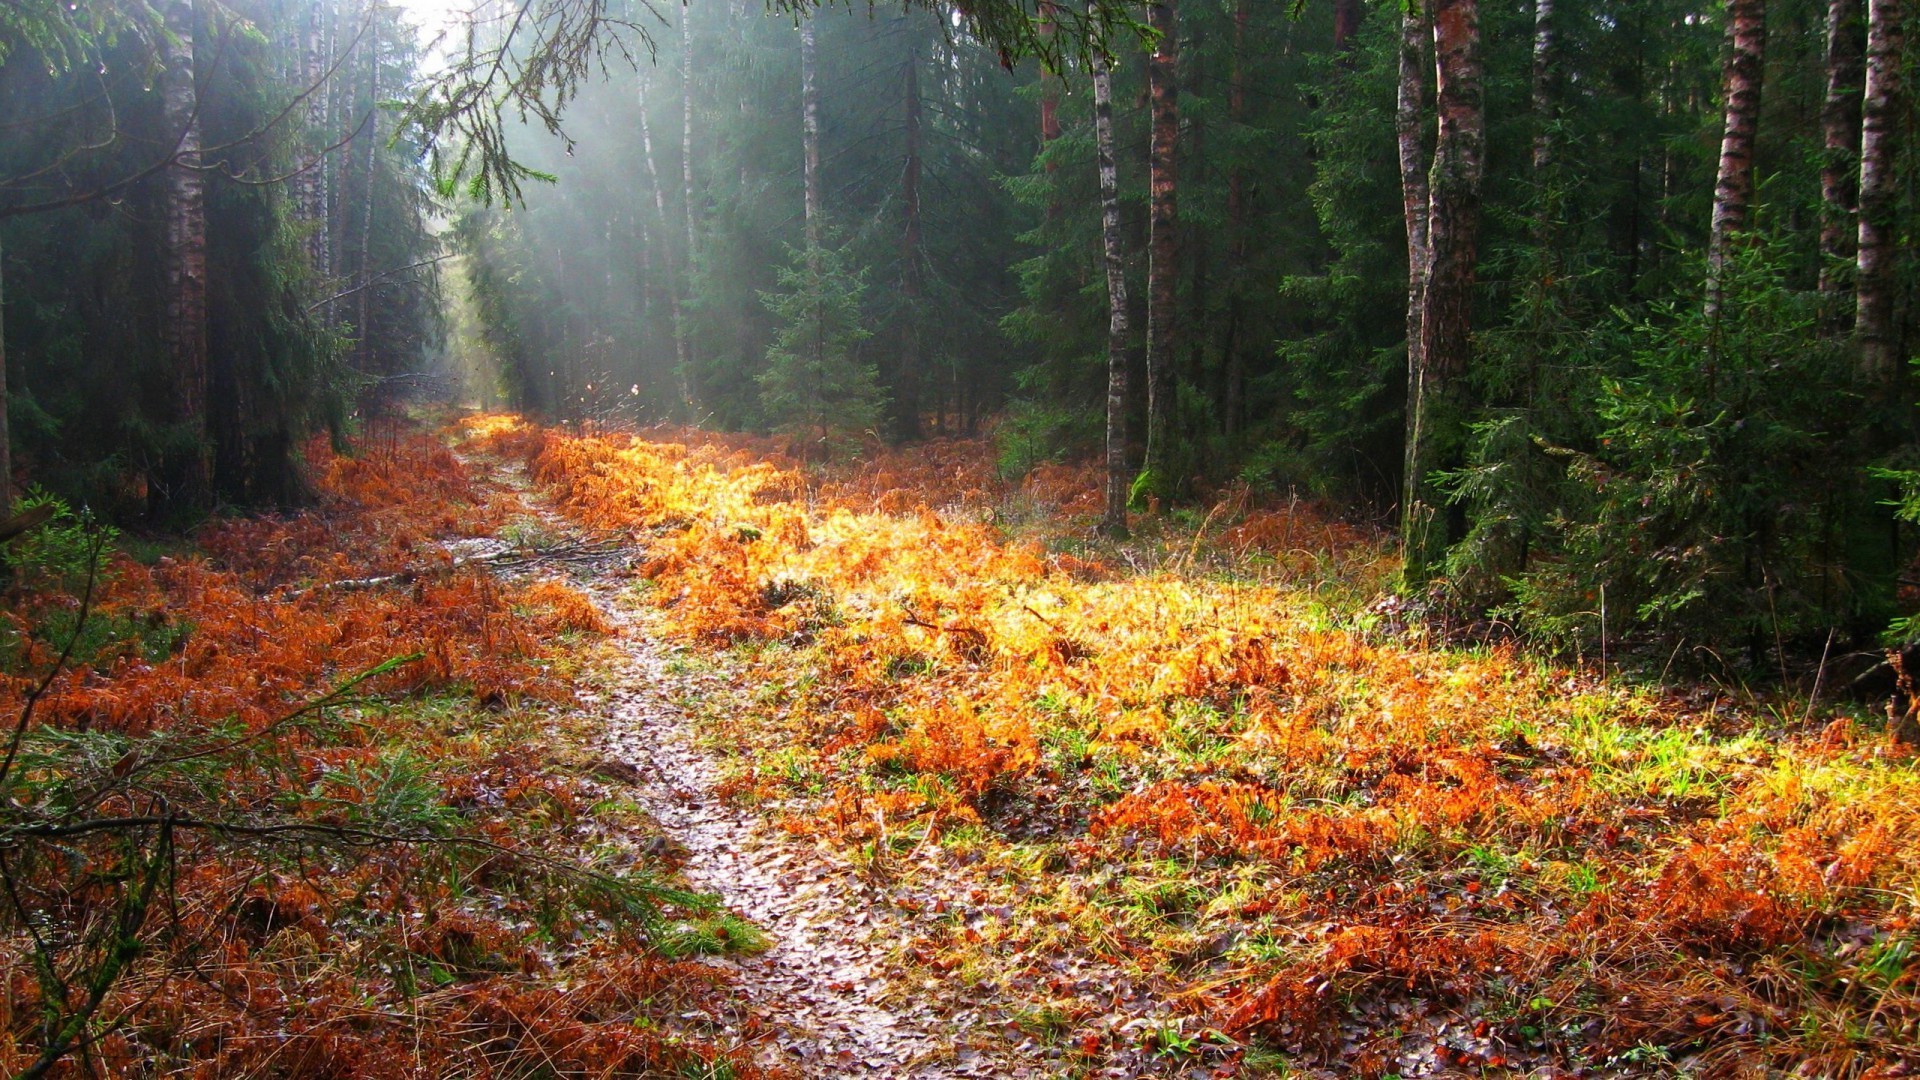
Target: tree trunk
[(810, 130), (186, 485), (1839, 171), (1733, 188), (1114, 521), (311, 191), (1416, 204), (1049, 83), (1542, 87), (1162, 239), (682, 369), (6, 430), (1453, 233), (686, 126), (1234, 392), (368, 173), (907, 382), (1346, 23), (1879, 133), (332, 226)]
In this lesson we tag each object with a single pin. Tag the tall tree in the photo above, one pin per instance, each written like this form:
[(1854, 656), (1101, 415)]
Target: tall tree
[(1114, 520), (1410, 127), (1162, 237), (810, 128), (1049, 81), (1839, 160), (906, 387), (682, 357), (184, 261), (6, 430), (1543, 105), (1233, 397), (686, 125), (1879, 133), (1346, 22), (1436, 423), (310, 191), (1740, 85), (369, 176)]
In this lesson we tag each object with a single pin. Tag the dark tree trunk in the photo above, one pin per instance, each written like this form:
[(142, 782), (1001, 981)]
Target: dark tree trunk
[(682, 367), (1346, 22), (1839, 162), (1235, 377), (6, 429), (1162, 238), (1733, 188), (1049, 83), (368, 173), (1879, 197), (1416, 205), (186, 484), (1437, 424), (1114, 521)]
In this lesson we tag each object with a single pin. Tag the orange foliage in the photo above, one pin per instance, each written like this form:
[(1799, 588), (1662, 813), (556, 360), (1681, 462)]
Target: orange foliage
[(1460, 823), (392, 962)]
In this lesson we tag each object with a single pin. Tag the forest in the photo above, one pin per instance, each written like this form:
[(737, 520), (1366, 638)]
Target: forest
[(944, 538)]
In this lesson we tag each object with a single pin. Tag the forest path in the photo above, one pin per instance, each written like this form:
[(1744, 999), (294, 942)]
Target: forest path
[(838, 1006), (826, 979)]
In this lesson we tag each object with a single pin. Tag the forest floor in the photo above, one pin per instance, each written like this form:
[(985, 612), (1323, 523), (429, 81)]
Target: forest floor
[(683, 758), (1207, 803)]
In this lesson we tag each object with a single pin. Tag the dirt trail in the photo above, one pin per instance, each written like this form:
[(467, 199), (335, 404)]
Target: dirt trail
[(826, 977), (838, 1008)]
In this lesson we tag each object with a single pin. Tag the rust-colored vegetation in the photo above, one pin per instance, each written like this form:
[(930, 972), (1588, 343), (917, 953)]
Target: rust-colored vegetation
[(228, 850), (1204, 761)]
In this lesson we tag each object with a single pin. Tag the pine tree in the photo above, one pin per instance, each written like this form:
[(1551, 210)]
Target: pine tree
[(816, 385)]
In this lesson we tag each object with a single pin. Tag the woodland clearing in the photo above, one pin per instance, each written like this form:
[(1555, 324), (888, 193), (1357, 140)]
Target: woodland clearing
[(681, 759)]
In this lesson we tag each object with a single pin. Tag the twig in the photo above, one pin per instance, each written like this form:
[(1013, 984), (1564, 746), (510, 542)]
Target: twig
[(1819, 674), (504, 559)]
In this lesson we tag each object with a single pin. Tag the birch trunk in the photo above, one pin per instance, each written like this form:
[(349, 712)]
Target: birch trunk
[(311, 189), (1162, 237), (810, 130), (1542, 87), (1839, 162), (1114, 522), (1879, 197), (907, 382), (1733, 188), (187, 482), (1453, 232), (686, 125)]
